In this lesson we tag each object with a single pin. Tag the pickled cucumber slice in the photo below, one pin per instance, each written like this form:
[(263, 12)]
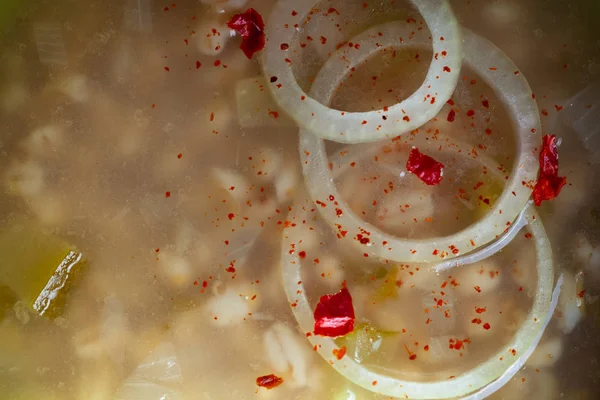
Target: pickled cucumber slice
[(39, 268)]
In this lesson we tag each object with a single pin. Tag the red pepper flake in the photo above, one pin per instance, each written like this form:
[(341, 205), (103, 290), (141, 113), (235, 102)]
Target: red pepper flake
[(478, 185), (250, 26), (488, 131), (549, 184), (451, 116), (273, 79), (167, 194), (558, 108), (284, 46), (198, 64), (424, 167), (334, 315), (167, 69), (269, 381), (302, 254), (157, 250), (426, 347), (581, 294), (274, 114), (212, 116), (470, 113), (486, 326), (477, 289), (405, 118), (231, 216), (323, 40), (179, 155), (374, 383), (294, 13), (446, 69), (485, 103), (480, 310), (339, 353), (528, 235), (231, 268)]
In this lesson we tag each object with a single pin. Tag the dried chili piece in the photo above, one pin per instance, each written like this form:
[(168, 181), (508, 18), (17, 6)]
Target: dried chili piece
[(334, 315), (424, 167), (250, 26), (549, 184), (269, 381)]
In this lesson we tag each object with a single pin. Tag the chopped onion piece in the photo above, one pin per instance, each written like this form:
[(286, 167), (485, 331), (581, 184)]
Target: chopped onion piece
[(355, 127), (511, 88)]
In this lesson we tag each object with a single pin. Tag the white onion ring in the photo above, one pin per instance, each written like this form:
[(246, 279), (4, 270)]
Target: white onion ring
[(355, 127), (516, 367), (511, 88), (466, 383)]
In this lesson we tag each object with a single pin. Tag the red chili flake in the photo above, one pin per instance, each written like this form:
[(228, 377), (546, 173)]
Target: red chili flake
[(450, 101), (302, 254), (581, 294), (250, 26), (549, 184), (269, 381), (212, 116), (476, 321), (480, 310), (284, 46), (558, 108), (478, 185), (231, 216), (528, 235), (294, 13), (477, 289), (157, 250), (334, 315), (198, 64), (405, 118), (470, 113), (274, 114), (167, 69), (179, 155), (167, 194), (486, 326), (231, 268), (424, 167), (339, 353), (488, 131), (323, 40), (446, 69), (217, 63), (485, 103), (451, 116)]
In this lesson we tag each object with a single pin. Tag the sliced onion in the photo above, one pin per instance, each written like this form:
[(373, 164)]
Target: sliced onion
[(512, 89), (461, 385), (518, 364), (487, 251), (355, 127)]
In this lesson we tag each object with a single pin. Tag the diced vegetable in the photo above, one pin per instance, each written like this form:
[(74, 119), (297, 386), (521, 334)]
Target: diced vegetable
[(38, 267), (364, 342)]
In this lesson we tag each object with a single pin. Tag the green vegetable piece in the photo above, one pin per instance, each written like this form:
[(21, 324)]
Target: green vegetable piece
[(38, 268), (388, 289), (364, 342)]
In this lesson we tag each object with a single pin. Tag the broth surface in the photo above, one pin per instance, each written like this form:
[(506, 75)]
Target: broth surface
[(126, 135)]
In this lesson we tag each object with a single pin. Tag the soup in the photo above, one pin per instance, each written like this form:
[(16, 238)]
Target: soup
[(167, 232)]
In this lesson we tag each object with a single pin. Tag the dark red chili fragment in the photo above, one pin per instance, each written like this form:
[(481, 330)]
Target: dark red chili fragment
[(269, 381), (250, 26), (549, 184), (334, 315), (424, 167)]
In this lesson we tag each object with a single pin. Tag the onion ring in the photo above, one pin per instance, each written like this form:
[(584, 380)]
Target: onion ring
[(496, 367), (498, 71), (357, 127)]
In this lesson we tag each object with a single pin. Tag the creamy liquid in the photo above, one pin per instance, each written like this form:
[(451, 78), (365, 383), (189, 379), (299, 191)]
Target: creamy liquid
[(121, 135)]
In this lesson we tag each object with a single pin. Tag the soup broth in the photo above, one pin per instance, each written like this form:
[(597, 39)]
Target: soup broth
[(153, 198)]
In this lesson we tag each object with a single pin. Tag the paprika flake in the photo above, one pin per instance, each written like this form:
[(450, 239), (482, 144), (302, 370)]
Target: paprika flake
[(424, 167), (334, 315), (251, 27)]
